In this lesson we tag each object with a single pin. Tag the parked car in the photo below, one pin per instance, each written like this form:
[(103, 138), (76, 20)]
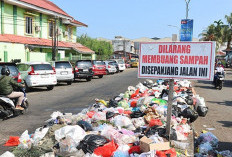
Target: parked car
[(110, 67), (14, 72), (83, 69), (38, 74), (134, 62), (115, 64), (64, 71), (121, 64), (99, 68)]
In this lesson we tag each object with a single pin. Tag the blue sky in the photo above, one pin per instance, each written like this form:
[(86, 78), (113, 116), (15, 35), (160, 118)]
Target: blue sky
[(142, 18)]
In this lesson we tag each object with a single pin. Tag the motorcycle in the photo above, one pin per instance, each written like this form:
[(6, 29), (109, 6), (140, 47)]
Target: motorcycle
[(219, 78), (7, 106)]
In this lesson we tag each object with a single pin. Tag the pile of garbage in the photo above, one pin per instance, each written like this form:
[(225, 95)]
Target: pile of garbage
[(132, 124), (207, 144)]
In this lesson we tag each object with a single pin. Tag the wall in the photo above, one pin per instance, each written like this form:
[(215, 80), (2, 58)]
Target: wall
[(14, 51), (38, 56), (8, 19)]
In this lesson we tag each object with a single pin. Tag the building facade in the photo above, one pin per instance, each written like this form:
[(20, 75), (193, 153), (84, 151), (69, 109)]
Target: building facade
[(31, 29)]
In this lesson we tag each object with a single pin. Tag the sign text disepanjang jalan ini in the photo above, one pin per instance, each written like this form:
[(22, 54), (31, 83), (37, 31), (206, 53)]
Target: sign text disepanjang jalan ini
[(177, 60)]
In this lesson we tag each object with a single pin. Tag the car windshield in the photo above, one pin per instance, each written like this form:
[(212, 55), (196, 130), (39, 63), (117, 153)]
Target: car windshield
[(120, 61), (111, 63), (42, 67), (84, 64), (62, 65), (98, 63), (13, 70)]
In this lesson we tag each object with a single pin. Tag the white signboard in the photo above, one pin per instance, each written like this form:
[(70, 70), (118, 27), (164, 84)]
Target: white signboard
[(177, 60)]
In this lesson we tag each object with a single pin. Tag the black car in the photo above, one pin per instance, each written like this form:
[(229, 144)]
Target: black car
[(83, 70), (14, 72), (115, 64)]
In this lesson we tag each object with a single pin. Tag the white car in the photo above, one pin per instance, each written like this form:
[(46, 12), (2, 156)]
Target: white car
[(38, 74), (121, 64), (110, 67), (64, 71)]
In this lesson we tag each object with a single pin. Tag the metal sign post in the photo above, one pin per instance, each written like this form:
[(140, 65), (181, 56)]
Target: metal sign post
[(169, 114)]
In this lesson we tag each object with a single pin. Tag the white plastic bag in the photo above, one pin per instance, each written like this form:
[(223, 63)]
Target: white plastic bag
[(25, 141), (51, 154), (138, 122), (75, 132), (39, 135), (7, 154), (123, 121)]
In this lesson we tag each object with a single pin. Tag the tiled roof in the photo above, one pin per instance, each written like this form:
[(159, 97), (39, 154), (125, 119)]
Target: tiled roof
[(46, 4), (44, 42), (79, 23)]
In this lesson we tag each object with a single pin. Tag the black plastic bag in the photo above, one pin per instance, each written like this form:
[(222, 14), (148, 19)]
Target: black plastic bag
[(202, 110), (155, 129), (113, 103), (85, 125), (190, 114), (109, 114), (189, 100), (91, 142), (137, 114)]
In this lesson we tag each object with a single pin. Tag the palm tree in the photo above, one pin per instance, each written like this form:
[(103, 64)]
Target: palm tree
[(208, 34), (229, 30)]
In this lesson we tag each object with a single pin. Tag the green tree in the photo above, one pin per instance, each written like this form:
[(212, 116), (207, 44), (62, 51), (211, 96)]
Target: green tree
[(228, 31), (103, 49)]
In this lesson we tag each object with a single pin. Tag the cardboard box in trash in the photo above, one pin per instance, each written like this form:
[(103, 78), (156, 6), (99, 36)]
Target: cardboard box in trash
[(146, 145)]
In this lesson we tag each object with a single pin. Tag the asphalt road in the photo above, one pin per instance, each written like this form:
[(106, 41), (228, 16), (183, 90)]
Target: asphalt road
[(67, 99), (82, 94), (219, 117)]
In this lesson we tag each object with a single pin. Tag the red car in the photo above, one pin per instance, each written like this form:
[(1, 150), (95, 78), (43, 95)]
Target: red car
[(99, 68)]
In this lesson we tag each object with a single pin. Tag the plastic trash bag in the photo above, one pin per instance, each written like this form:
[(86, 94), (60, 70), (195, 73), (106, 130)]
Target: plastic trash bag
[(25, 141), (123, 121), (208, 137), (189, 113), (109, 115), (85, 125), (13, 141), (122, 151), (107, 150), (155, 122), (7, 154), (137, 114), (91, 142), (202, 111), (138, 122), (74, 132), (204, 148), (39, 135), (155, 129), (51, 154), (113, 103), (124, 104), (141, 87), (99, 116)]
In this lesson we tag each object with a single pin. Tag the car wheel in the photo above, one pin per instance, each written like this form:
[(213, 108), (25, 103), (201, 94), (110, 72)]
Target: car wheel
[(89, 79), (50, 87), (121, 70), (69, 83), (100, 76)]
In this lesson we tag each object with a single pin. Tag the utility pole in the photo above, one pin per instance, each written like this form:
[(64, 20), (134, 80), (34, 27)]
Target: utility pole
[(124, 48), (54, 41), (187, 7)]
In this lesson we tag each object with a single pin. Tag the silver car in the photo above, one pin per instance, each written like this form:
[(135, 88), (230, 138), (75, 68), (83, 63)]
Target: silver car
[(64, 71), (110, 67)]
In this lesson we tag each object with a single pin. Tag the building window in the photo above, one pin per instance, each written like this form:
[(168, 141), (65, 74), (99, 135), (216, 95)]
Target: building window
[(51, 28), (29, 25), (69, 33)]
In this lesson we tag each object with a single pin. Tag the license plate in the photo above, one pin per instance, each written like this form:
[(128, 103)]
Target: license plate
[(44, 76), (100, 68), (85, 70), (64, 73), (221, 78), (121, 65)]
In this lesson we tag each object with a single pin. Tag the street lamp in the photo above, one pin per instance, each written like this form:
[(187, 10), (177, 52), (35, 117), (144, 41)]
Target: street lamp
[(178, 30), (187, 9)]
